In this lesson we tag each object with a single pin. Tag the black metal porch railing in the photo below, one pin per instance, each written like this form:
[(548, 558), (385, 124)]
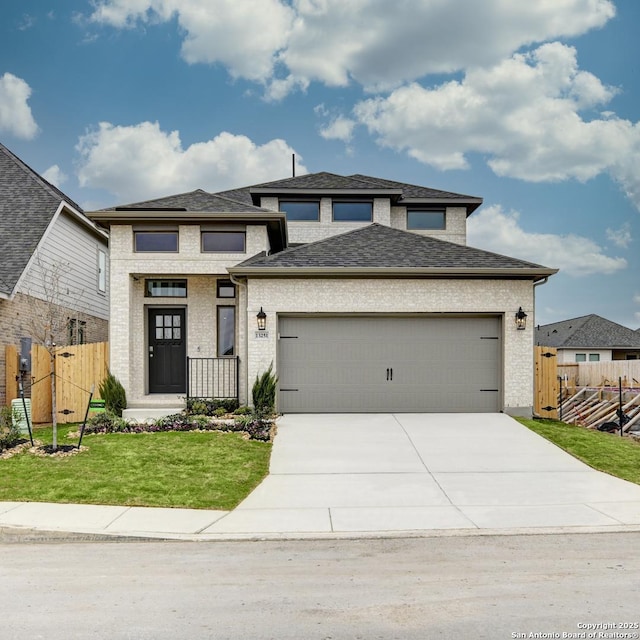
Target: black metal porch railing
[(212, 378)]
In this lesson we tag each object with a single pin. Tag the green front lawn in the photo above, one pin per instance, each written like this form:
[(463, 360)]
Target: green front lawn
[(200, 470), (603, 451)]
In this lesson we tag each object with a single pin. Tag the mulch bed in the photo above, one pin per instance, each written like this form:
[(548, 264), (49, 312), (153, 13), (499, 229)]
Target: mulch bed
[(43, 451)]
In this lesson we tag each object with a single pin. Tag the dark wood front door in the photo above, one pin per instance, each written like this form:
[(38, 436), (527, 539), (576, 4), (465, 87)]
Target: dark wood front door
[(167, 351)]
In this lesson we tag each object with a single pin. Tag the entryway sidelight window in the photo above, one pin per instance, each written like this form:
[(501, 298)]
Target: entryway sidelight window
[(226, 331)]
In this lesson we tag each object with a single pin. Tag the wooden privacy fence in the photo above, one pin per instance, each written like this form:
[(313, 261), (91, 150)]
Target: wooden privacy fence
[(77, 368), (601, 374), (546, 385)]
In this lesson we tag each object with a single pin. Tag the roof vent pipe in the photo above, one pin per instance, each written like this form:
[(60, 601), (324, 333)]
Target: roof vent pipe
[(293, 165)]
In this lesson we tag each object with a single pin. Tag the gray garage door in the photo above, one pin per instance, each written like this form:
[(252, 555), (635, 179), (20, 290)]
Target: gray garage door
[(389, 363)]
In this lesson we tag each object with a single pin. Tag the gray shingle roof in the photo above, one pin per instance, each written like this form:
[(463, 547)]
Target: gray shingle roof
[(27, 205), (587, 332), (380, 247), (197, 200), (411, 190), (321, 180), (325, 181)]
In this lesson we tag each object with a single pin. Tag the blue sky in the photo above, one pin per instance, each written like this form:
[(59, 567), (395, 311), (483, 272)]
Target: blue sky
[(531, 105)]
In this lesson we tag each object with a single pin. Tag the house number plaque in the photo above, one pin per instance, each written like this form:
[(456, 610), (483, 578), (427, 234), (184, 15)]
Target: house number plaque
[(262, 335)]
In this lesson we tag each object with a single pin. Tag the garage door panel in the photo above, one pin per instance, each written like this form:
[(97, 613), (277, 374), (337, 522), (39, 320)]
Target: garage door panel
[(389, 364)]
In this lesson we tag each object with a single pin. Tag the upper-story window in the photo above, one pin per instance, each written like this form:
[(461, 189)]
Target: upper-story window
[(352, 211), (421, 219), (223, 241), (307, 211), (102, 271), (156, 241)]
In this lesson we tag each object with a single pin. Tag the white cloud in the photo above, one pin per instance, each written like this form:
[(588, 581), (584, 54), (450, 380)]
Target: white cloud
[(340, 128), (55, 175), (495, 230), (524, 114), (333, 41), (622, 236), (142, 161), (243, 35), (15, 113), (636, 298), (26, 22)]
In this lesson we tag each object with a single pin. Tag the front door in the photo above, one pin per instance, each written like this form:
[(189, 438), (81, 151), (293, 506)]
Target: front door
[(167, 351)]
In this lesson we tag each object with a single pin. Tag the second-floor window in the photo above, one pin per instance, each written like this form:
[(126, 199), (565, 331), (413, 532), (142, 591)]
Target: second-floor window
[(102, 271), (156, 241), (223, 241), (297, 211), (421, 219), (352, 211)]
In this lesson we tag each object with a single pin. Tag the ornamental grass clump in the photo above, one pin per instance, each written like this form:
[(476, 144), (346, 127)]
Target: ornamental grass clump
[(264, 393), (113, 394)]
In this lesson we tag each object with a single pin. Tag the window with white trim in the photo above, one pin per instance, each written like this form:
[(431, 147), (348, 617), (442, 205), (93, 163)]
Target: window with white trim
[(102, 271)]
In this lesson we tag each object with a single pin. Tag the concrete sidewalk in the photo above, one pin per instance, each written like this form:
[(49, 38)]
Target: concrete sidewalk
[(383, 474)]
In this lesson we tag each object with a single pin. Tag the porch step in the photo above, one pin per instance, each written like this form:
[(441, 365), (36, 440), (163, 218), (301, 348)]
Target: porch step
[(143, 414)]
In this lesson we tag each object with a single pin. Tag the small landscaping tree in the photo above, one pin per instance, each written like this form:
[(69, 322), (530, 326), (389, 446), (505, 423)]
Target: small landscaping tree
[(53, 297)]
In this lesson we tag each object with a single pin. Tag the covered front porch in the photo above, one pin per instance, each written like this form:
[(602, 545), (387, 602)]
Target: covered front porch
[(183, 340), (206, 379)]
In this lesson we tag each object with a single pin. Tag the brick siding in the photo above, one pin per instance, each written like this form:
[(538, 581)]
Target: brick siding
[(16, 321)]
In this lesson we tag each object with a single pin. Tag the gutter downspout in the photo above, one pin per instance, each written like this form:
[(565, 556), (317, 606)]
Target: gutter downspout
[(245, 346), (537, 284)]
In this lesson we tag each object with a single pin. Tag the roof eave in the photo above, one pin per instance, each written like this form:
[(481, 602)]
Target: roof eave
[(275, 222), (471, 204), (382, 272), (107, 218)]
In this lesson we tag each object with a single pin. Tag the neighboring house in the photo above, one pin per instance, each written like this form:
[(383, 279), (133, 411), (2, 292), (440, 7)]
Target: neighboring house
[(371, 300), (589, 339), (53, 264)]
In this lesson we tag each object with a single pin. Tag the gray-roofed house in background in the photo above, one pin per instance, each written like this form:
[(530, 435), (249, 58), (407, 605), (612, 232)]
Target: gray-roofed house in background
[(361, 292), (44, 235), (589, 338)]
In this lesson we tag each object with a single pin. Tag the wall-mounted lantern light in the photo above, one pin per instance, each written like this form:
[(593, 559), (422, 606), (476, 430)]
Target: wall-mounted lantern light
[(521, 320), (262, 320)]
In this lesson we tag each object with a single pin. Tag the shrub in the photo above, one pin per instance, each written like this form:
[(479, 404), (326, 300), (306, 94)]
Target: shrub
[(9, 433), (264, 393), (255, 428), (209, 406), (113, 394), (243, 411), (105, 422)]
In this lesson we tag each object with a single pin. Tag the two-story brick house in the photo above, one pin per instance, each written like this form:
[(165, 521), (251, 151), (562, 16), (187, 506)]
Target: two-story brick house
[(360, 291)]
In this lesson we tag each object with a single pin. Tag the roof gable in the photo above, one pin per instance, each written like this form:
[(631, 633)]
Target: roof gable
[(587, 332), (28, 204), (383, 248)]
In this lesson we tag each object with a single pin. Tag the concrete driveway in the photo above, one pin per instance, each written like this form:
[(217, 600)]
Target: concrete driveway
[(406, 472)]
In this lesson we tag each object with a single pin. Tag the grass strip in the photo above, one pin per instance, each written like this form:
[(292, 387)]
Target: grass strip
[(198, 470), (603, 451)]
